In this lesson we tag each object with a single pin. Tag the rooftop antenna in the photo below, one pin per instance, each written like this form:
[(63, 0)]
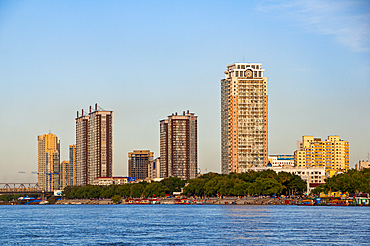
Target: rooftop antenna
[(243, 56)]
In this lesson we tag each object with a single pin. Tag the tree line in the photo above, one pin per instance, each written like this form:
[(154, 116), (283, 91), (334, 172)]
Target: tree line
[(211, 184), (142, 189), (265, 182), (353, 181)]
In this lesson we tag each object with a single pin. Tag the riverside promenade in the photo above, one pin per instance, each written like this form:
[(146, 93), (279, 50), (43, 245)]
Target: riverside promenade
[(198, 201)]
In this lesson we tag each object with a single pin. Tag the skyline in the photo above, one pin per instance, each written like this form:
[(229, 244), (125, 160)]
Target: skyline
[(147, 60)]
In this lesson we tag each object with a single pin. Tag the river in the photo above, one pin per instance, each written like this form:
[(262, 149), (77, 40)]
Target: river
[(183, 225)]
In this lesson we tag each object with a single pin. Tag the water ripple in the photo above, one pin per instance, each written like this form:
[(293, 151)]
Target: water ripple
[(183, 225)]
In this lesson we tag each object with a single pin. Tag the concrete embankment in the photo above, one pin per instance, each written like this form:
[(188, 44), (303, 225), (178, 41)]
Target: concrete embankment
[(210, 201), (254, 201), (84, 201)]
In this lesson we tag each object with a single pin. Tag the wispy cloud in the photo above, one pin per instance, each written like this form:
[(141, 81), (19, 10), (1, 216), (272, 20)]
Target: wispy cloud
[(347, 21)]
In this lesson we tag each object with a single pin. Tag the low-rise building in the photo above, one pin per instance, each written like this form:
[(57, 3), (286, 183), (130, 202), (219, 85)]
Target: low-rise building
[(281, 160), (363, 164), (314, 176), (113, 180)]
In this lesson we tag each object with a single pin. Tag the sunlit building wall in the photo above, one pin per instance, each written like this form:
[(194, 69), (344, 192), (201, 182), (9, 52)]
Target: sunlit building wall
[(94, 145), (281, 160), (244, 118), (332, 154), (154, 169), (100, 144), (179, 146), (48, 162), (138, 162), (72, 174), (82, 148), (64, 174)]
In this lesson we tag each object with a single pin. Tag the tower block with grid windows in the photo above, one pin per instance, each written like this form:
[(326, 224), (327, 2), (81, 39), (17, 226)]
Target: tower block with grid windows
[(179, 146), (244, 118)]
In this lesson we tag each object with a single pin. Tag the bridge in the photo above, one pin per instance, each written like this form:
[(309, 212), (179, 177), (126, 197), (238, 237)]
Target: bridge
[(21, 188)]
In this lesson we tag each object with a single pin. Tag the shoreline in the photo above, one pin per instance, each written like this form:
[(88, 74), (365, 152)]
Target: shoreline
[(251, 201)]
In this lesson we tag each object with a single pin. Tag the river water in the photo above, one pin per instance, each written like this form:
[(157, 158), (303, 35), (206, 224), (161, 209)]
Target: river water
[(183, 225)]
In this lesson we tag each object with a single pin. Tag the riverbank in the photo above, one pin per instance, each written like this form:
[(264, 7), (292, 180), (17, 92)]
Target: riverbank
[(193, 201)]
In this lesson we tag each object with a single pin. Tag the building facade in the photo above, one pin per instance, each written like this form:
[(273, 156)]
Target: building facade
[(113, 180), (72, 174), (179, 146), (244, 118), (332, 154), (94, 145), (163, 143), (100, 144), (281, 160), (82, 127), (138, 162), (363, 164), (64, 174), (313, 176), (48, 162), (154, 169)]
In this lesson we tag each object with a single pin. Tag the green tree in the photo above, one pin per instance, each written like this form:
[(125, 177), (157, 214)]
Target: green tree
[(173, 184), (124, 190), (155, 189), (265, 186), (116, 199), (137, 189)]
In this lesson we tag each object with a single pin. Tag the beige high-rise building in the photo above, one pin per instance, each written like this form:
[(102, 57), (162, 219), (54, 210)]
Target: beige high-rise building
[(333, 153), (244, 118), (94, 145), (48, 162), (179, 146)]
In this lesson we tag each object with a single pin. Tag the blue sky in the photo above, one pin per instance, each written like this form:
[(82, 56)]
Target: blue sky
[(147, 59)]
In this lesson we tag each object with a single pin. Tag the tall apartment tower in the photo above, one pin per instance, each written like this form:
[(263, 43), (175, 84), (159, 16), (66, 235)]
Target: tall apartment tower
[(94, 145), (64, 174), (244, 118), (72, 175), (82, 131), (163, 152), (138, 162), (48, 162), (100, 144), (333, 153), (178, 146)]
